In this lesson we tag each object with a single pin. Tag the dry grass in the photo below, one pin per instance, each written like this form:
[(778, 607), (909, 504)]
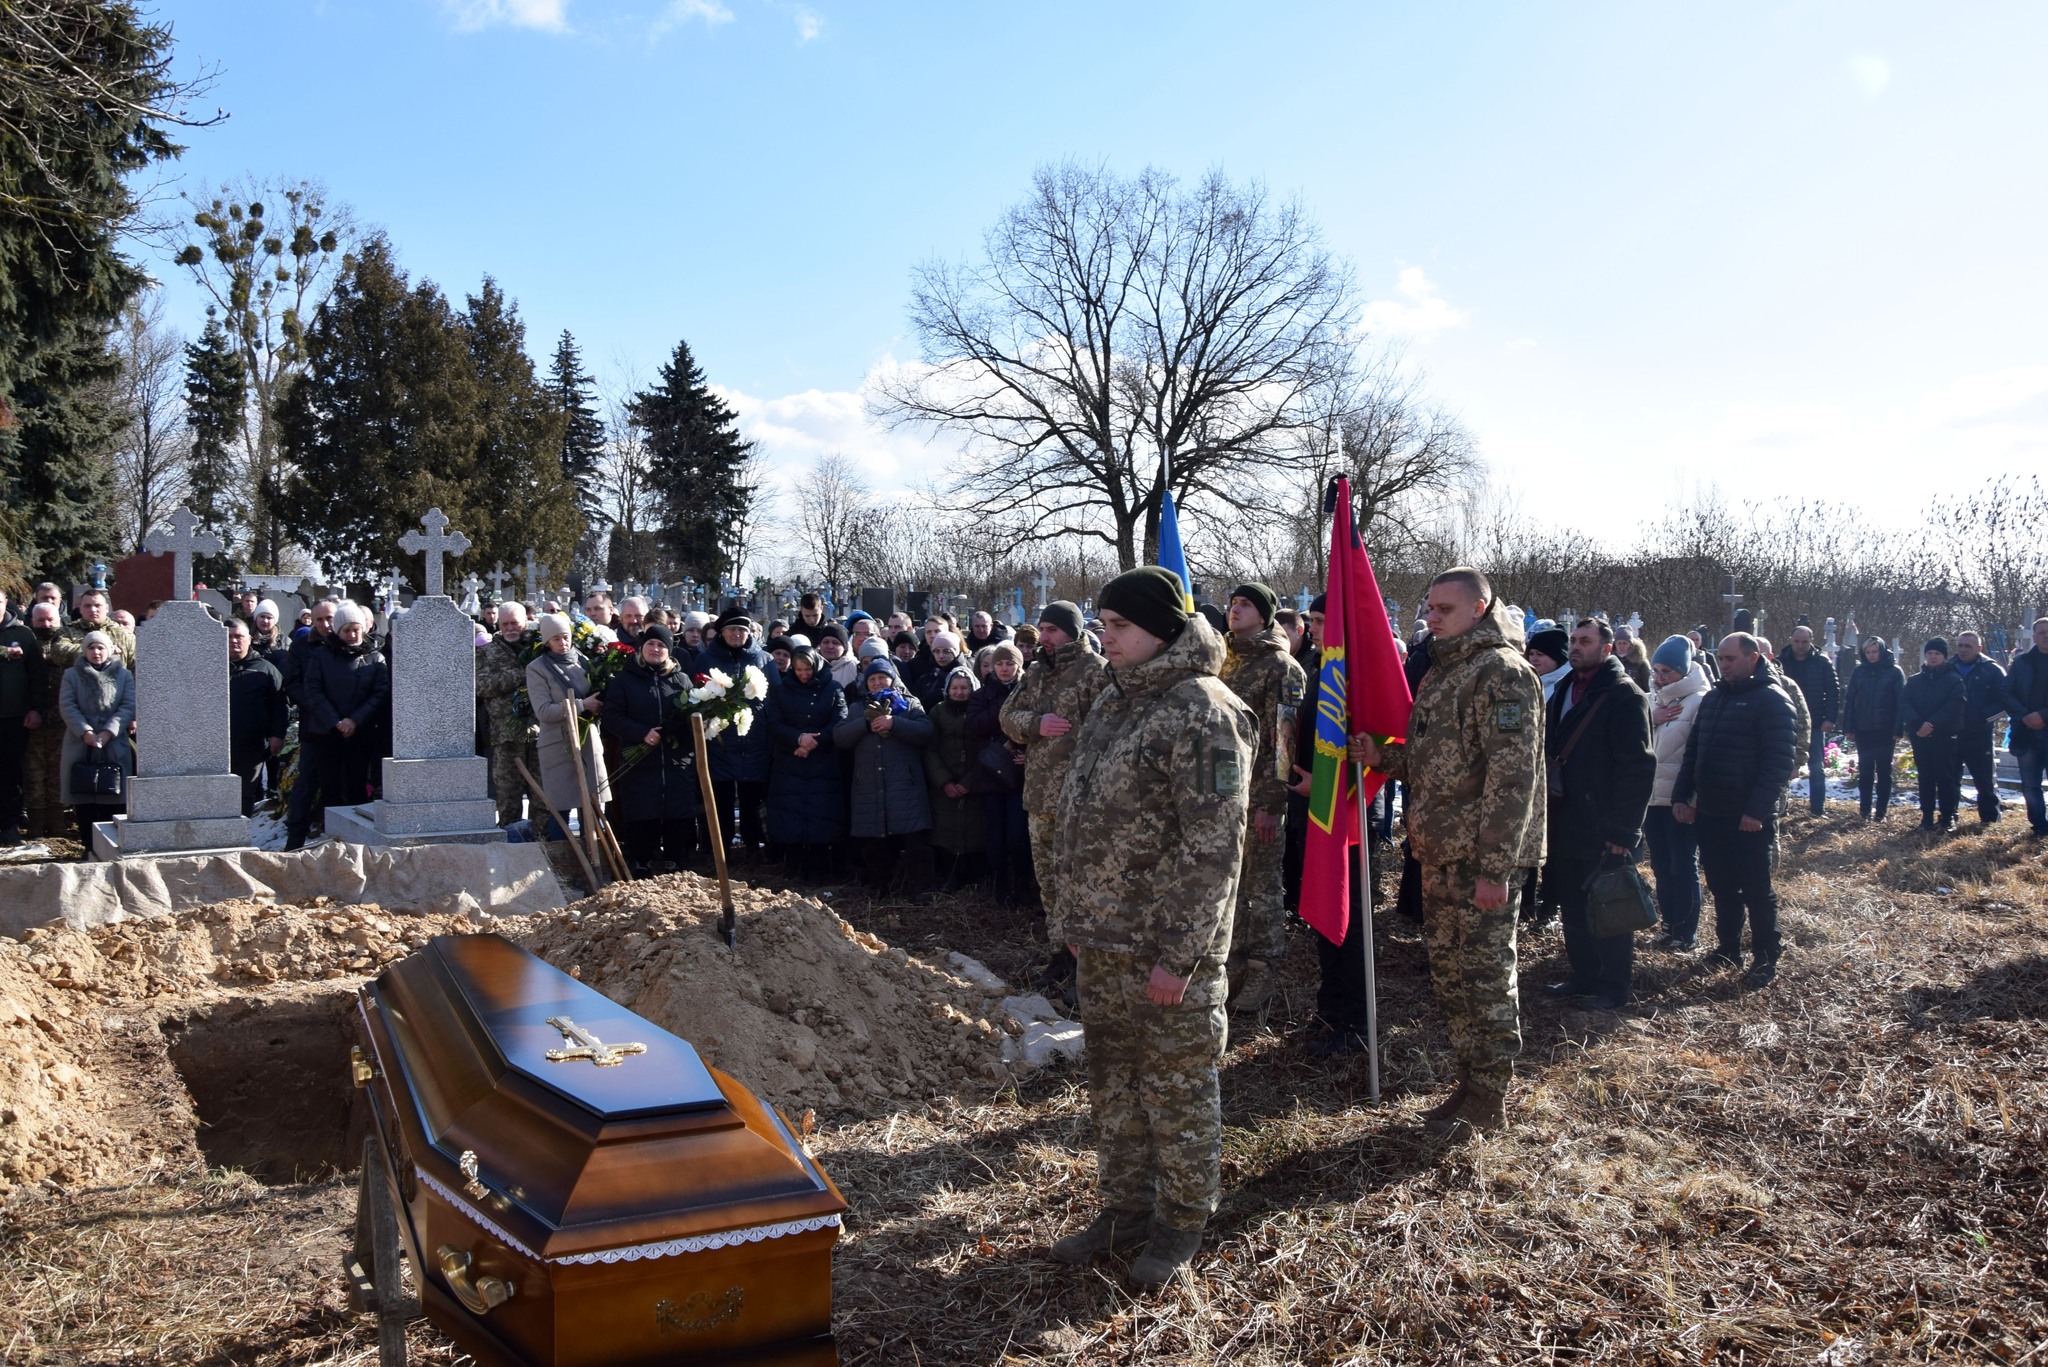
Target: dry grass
[(1845, 1167)]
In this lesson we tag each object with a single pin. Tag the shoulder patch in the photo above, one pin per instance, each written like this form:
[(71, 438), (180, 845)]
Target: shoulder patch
[(1507, 717), (1224, 764)]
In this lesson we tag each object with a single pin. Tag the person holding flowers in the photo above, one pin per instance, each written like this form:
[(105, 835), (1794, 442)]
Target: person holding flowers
[(559, 686), (741, 760), (646, 709)]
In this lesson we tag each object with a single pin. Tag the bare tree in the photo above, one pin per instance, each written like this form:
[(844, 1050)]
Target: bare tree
[(149, 464), (1116, 334), (832, 516), (625, 493)]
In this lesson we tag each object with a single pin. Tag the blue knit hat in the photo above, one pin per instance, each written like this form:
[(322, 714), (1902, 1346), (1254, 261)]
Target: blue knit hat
[(1675, 654)]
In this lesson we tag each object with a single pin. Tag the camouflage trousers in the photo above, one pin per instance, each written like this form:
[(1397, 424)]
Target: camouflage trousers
[(1258, 928), (1045, 864), (42, 779), (1472, 971), (1153, 1089), (507, 787)]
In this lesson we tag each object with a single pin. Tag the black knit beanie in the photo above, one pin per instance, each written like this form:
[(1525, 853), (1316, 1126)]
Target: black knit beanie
[(1063, 615), (1261, 597), (1936, 643), (1151, 597)]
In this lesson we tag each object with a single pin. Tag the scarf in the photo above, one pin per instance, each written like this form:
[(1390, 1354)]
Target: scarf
[(99, 687)]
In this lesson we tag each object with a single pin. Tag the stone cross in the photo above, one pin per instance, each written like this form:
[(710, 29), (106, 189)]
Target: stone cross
[(470, 585), (1833, 642), (498, 579), (392, 588), (1303, 598), (1569, 620), (437, 540), (600, 587), (536, 573), (182, 542), (1042, 581), (1635, 623), (1730, 599)]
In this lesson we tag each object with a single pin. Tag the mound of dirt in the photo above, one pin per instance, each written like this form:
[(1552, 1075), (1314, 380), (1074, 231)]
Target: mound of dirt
[(808, 1012)]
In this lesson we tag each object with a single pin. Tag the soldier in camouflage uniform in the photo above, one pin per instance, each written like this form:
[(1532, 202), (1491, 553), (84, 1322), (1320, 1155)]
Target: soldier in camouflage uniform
[(1044, 715), (1261, 671), (93, 608), (1473, 763), (1150, 825), (43, 767), (501, 685)]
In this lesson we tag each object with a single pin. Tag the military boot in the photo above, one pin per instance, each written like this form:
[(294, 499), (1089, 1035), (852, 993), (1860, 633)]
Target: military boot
[(1437, 1119), (1166, 1253), (1481, 1112), (1254, 988), (1112, 1230)]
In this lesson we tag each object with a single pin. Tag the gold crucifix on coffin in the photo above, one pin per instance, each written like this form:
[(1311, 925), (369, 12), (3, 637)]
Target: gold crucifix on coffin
[(583, 1044)]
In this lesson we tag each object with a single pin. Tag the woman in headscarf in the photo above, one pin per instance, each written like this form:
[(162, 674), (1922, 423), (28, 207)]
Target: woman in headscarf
[(558, 686), (949, 762), (656, 786), (806, 793), (97, 702)]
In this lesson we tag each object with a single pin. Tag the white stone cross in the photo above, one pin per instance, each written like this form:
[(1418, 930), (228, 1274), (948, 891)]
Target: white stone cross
[(392, 588), (437, 540), (182, 542), (1042, 581), (498, 577), (536, 574), (1635, 622), (600, 587), (470, 586)]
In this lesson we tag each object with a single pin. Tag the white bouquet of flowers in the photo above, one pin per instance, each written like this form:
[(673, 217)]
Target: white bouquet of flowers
[(724, 701)]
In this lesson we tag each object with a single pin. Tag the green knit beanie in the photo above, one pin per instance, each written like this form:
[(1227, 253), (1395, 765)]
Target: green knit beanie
[(1151, 597), (1260, 597)]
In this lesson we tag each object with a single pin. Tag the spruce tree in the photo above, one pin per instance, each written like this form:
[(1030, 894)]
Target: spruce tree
[(697, 458), (583, 431), (520, 496), (216, 398)]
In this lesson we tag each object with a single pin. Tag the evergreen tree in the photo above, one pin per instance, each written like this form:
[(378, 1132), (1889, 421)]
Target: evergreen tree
[(216, 399), (81, 84), (520, 496), (583, 432), (698, 459)]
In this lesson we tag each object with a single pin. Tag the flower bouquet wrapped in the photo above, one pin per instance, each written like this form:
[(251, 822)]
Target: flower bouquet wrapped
[(721, 700)]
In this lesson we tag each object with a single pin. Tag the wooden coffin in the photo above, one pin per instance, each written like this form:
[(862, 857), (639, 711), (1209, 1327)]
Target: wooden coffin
[(570, 1204)]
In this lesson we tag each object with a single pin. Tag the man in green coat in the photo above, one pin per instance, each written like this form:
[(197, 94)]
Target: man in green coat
[(1151, 822)]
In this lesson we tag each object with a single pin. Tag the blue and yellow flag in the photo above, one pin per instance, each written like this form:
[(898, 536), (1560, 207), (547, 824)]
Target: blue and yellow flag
[(1171, 556)]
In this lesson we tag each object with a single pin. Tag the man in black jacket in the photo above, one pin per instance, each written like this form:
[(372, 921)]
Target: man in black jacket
[(1814, 675), (21, 688), (1932, 712), (2026, 698), (1737, 760), (257, 714), (1983, 700), (1597, 739)]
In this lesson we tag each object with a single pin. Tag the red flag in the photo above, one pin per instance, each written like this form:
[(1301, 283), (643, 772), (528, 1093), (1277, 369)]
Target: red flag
[(1359, 688)]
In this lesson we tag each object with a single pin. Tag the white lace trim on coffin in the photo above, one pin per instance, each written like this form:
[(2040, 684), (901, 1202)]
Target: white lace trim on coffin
[(701, 1243)]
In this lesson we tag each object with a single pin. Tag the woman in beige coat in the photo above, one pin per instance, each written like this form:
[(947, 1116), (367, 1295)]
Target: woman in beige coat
[(558, 687)]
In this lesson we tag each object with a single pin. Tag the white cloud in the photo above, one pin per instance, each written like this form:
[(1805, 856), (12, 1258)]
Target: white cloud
[(680, 12), (793, 430), (1420, 312), (1871, 74), (471, 15), (808, 25)]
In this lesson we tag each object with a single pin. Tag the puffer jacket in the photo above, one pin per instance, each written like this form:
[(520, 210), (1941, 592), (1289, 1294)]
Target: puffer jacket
[(1814, 677), (1669, 738), (343, 680), (807, 796), (2026, 692), (1983, 690), (661, 785), (1872, 701), (890, 794), (1936, 696), (257, 712), (737, 758), (1741, 752), (1473, 761), (1065, 682), (1153, 810)]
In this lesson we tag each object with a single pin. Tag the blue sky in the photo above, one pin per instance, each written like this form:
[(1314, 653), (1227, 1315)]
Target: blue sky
[(1783, 249)]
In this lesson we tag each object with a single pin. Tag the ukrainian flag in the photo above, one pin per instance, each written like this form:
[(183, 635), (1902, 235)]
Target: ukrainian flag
[(1171, 556)]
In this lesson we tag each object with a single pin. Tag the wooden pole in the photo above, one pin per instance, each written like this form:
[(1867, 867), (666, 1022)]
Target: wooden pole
[(589, 810), (538, 792), (727, 925)]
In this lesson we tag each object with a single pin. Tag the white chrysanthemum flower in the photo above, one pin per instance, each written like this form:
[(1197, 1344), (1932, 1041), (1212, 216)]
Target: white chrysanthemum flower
[(756, 684), (702, 693), (721, 680), (744, 722), (712, 727)]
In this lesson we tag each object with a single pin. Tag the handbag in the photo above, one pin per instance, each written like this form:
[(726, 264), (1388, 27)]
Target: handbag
[(1618, 901), (92, 778), (1001, 761)]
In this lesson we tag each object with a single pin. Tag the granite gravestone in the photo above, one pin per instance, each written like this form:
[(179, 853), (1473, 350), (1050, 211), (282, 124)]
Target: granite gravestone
[(436, 787), (183, 795)]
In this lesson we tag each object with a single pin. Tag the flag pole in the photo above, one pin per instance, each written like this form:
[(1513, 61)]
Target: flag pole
[(1372, 996)]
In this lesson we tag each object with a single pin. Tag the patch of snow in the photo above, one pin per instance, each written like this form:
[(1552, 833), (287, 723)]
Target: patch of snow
[(978, 973)]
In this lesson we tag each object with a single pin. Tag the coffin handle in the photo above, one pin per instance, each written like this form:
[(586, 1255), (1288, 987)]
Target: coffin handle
[(479, 1296)]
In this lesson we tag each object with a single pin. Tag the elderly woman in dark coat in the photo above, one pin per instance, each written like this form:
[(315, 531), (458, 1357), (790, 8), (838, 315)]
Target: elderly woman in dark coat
[(806, 793), (739, 764), (657, 792), (1001, 791), (950, 762), (97, 701), (892, 813)]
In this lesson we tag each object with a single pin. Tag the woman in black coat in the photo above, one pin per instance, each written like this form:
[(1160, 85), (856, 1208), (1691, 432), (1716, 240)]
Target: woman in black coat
[(806, 793), (1870, 713), (657, 793), (1001, 791), (1931, 710), (892, 811)]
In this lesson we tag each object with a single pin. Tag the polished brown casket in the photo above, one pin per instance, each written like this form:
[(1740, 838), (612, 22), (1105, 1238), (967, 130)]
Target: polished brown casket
[(604, 1207)]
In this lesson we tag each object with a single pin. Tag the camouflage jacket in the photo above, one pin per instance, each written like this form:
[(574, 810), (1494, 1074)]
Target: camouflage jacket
[(70, 642), (1152, 812), (1258, 669), (1067, 686), (1474, 758), (501, 685)]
